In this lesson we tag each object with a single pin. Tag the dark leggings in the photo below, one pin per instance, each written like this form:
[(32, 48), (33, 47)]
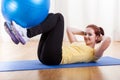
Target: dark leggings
[(50, 44)]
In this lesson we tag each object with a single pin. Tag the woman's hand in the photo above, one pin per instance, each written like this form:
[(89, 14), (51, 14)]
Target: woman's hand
[(71, 32)]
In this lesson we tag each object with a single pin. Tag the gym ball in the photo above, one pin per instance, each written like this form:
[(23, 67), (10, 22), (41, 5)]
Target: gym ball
[(26, 13)]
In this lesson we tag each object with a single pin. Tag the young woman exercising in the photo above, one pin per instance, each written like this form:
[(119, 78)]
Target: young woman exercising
[(50, 48)]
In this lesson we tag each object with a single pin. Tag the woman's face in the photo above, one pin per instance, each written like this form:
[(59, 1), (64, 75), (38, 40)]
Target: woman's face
[(90, 37)]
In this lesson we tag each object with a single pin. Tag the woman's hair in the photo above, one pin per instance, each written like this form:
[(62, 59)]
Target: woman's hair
[(98, 32)]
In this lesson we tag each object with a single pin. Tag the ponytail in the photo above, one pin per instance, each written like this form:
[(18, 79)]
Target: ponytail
[(101, 31)]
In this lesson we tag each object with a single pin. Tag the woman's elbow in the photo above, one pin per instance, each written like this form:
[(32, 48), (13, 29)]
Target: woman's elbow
[(68, 29), (108, 40)]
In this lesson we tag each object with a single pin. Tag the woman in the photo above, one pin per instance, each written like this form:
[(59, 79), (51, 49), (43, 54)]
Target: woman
[(50, 49), (92, 36)]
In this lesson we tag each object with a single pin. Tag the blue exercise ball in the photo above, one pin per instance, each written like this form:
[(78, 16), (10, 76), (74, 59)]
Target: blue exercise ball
[(26, 13)]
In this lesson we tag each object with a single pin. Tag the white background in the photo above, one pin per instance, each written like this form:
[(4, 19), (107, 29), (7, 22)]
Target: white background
[(80, 13)]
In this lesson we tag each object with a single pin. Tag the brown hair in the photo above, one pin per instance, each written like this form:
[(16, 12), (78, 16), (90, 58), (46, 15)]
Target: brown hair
[(98, 32)]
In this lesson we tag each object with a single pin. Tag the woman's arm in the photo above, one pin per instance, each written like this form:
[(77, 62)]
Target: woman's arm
[(71, 32), (103, 46)]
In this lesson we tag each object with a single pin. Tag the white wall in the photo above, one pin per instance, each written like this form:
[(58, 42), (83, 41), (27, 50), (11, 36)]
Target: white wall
[(103, 13), (80, 13), (3, 35), (99, 12)]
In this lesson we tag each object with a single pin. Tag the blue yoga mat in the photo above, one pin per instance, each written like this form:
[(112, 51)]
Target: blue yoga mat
[(36, 65)]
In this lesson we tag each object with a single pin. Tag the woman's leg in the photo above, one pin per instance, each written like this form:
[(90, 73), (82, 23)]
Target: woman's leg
[(50, 45), (44, 27), (50, 50)]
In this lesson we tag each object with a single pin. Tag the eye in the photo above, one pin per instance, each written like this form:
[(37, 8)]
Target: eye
[(89, 34), (85, 33)]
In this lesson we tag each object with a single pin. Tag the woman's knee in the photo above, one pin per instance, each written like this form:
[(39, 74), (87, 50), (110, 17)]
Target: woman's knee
[(60, 16)]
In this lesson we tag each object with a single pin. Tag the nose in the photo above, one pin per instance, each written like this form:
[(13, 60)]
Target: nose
[(86, 36)]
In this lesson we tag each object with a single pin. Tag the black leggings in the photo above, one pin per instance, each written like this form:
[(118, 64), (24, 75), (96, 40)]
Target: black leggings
[(50, 44)]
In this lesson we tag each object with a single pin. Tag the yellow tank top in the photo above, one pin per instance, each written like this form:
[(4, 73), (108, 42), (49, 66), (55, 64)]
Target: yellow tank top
[(77, 52)]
